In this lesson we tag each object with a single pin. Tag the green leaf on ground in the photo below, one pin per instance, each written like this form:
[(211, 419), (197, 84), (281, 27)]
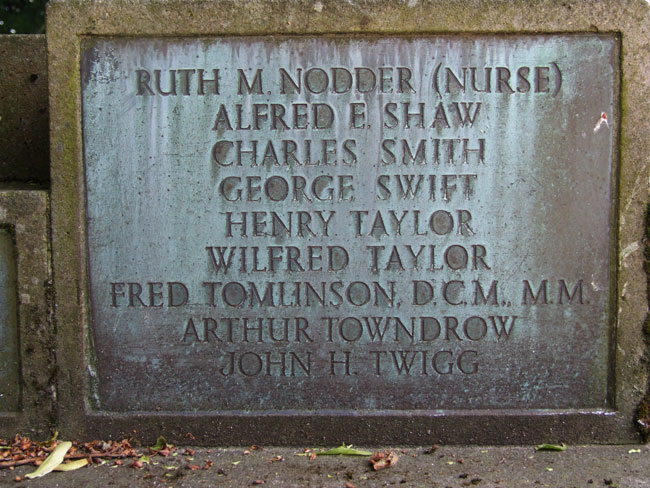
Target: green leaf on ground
[(52, 461), (160, 444), (344, 450), (551, 447), (72, 465)]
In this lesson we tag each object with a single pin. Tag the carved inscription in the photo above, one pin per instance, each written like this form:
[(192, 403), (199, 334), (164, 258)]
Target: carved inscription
[(348, 223)]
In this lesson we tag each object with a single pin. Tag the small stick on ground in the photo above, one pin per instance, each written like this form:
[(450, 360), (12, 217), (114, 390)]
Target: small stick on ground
[(22, 462)]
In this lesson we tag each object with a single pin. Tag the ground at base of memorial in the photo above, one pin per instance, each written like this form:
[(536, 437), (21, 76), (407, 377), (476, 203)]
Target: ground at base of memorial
[(623, 466)]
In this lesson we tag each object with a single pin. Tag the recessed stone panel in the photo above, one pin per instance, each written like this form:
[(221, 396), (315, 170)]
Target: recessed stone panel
[(27, 364), (9, 351), (339, 223)]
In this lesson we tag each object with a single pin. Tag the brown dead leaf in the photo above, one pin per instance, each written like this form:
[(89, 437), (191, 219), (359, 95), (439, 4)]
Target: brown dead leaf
[(256, 448), (208, 465), (312, 456), (136, 464), (383, 459), (193, 467), (189, 452), (432, 449), (276, 459), (246, 452), (258, 482)]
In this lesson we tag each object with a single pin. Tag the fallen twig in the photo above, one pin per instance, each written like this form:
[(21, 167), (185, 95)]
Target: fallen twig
[(22, 462)]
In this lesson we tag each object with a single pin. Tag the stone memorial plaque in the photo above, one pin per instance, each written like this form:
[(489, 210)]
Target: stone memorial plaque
[(9, 351), (27, 339), (341, 223)]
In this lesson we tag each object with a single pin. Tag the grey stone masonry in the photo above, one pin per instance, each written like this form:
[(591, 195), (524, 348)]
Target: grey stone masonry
[(390, 222)]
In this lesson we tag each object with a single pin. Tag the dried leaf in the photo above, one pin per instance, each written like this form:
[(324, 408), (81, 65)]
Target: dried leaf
[(551, 447), (52, 461), (276, 459), (383, 459), (72, 465), (344, 450)]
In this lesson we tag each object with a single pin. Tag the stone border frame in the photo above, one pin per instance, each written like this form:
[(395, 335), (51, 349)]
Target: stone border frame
[(70, 20), (25, 212)]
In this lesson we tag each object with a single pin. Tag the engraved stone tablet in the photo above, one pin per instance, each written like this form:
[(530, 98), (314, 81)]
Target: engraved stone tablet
[(9, 354), (323, 223)]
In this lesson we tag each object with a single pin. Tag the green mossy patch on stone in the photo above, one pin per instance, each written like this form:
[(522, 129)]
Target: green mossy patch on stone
[(643, 410)]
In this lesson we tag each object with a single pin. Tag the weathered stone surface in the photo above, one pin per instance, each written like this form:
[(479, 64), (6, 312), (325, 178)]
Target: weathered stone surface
[(121, 230), (378, 224), (24, 131), (9, 353), (30, 404)]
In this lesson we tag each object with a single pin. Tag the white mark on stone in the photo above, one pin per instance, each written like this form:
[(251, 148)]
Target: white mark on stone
[(412, 3), (25, 298), (595, 286), (318, 6), (629, 249), (601, 121), (638, 187)]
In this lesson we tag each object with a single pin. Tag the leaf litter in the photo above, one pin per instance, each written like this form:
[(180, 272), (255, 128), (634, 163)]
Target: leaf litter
[(55, 455), (383, 459)]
